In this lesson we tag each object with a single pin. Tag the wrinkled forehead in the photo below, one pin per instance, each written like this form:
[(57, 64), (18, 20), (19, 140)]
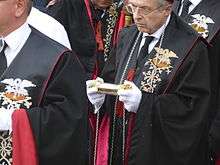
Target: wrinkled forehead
[(144, 3)]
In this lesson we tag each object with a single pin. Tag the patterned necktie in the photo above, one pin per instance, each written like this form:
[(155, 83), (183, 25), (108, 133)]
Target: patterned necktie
[(185, 9), (144, 50), (3, 60)]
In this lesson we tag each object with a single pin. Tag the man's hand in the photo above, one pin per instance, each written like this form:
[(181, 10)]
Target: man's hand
[(130, 97), (95, 98)]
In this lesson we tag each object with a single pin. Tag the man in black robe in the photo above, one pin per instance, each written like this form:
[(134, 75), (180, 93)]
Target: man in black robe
[(202, 15), (42, 95), (160, 114), (92, 27)]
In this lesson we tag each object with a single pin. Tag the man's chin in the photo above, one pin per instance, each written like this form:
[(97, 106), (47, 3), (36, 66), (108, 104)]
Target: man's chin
[(143, 29)]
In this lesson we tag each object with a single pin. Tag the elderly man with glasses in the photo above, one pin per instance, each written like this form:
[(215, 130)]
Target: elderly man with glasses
[(162, 86)]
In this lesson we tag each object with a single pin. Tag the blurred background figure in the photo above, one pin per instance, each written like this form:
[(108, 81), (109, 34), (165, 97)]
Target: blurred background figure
[(92, 27), (40, 4)]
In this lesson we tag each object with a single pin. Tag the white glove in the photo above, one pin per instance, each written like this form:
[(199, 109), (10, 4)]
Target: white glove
[(130, 97), (6, 120), (95, 98)]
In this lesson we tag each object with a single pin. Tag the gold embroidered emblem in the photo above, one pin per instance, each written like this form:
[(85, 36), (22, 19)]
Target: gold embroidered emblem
[(200, 24), (13, 97), (15, 94), (159, 64)]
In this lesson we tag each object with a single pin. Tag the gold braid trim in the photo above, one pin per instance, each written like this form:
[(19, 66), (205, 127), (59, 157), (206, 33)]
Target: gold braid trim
[(111, 22)]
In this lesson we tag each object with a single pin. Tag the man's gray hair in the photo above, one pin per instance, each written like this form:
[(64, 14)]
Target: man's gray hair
[(29, 6), (163, 2)]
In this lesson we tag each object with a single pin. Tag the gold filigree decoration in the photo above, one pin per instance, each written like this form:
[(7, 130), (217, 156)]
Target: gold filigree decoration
[(200, 24), (111, 22), (5, 148), (12, 97), (157, 65), (15, 95)]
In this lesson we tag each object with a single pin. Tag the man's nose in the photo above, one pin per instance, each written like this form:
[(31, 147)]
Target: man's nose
[(137, 14)]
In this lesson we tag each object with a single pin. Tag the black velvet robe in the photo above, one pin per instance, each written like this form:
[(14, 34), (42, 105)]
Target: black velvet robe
[(171, 124), (215, 127), (210, 8)]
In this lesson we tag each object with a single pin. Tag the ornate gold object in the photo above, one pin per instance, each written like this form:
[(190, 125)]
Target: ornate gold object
[(111, 89)]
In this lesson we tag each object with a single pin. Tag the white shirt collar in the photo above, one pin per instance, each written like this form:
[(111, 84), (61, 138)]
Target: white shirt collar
[(195, 2), (156, 36), (15, 38), (160, 31)]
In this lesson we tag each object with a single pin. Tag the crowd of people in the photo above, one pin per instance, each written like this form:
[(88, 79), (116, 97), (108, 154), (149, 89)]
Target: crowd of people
[(109, 82)]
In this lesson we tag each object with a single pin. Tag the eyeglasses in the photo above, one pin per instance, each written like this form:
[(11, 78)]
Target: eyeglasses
[(133, 9)]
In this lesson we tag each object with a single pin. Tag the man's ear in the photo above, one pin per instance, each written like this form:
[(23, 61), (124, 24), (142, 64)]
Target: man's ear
[(21, 6), (168, 9)]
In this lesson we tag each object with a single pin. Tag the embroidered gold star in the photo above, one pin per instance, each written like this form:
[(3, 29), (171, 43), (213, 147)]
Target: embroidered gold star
[(157, 65)]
